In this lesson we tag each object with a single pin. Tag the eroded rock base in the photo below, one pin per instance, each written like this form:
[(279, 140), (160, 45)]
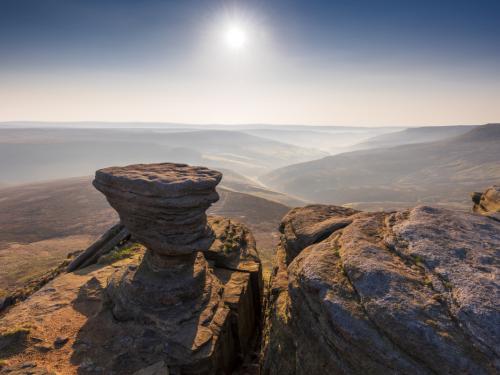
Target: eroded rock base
[(88, 313)]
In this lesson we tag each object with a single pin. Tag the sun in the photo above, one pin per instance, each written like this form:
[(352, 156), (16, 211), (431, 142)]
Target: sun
[(235, 37)]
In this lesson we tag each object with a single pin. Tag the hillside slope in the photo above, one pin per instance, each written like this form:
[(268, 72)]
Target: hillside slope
[(413, 135), (332, 140), (438, 172)]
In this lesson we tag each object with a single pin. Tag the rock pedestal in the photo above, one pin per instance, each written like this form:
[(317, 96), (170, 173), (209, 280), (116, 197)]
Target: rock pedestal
[(163, 206)]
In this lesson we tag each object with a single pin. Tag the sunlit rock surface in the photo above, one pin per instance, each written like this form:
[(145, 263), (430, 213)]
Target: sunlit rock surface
[(410, 292)]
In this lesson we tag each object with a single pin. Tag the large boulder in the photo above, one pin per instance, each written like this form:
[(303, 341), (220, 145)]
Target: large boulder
[(410, 292)]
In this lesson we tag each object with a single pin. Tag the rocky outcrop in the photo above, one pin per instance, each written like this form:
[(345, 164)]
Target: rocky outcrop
[(487, 203), (163, 206), (410, 292), (111, 238), (186, 301)]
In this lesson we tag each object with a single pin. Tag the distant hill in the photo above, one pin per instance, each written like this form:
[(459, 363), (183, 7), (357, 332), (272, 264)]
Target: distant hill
[(413, 135), (441, 172), (28, 155), (485, 133), (41, 223), (328, 139)]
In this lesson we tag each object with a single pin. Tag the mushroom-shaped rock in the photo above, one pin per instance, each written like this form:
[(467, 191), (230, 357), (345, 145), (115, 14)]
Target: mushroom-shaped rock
[(163, 206)]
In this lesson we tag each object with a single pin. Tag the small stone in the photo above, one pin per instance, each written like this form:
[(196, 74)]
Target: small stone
[(4, 302), (60, 341), (26, 365), (44, 348)]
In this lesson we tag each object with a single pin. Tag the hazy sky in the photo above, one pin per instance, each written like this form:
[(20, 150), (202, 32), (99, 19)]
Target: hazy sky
[(349, 62)]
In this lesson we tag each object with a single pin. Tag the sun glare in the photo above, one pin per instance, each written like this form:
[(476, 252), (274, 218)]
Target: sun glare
[(235, 37)]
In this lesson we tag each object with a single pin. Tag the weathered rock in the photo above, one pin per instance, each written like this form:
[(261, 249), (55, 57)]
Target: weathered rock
[(75, 305), (487, 203), (60, 341), (162, 205), (234, 249), (168, 304), (411, 292), (307, 225)]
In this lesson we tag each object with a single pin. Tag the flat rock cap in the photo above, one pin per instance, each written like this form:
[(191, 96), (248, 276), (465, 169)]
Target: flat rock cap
[(161, 179)]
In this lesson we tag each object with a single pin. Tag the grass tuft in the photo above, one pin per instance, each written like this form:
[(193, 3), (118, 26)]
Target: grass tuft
[(418, 260), (119, 253), (231, 240), (428, 281)]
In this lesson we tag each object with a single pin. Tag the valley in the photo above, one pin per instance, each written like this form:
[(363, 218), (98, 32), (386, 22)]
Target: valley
[(442, 172)]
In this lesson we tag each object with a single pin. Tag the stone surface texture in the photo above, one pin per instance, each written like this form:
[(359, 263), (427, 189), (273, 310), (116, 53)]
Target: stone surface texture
[(409, 292), (162, 205)]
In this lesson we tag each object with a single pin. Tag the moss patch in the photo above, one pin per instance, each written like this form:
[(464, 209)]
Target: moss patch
[(118, 253), (232, 238)]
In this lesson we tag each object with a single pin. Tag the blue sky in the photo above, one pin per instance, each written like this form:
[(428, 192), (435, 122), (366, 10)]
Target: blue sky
[(320, 62)]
